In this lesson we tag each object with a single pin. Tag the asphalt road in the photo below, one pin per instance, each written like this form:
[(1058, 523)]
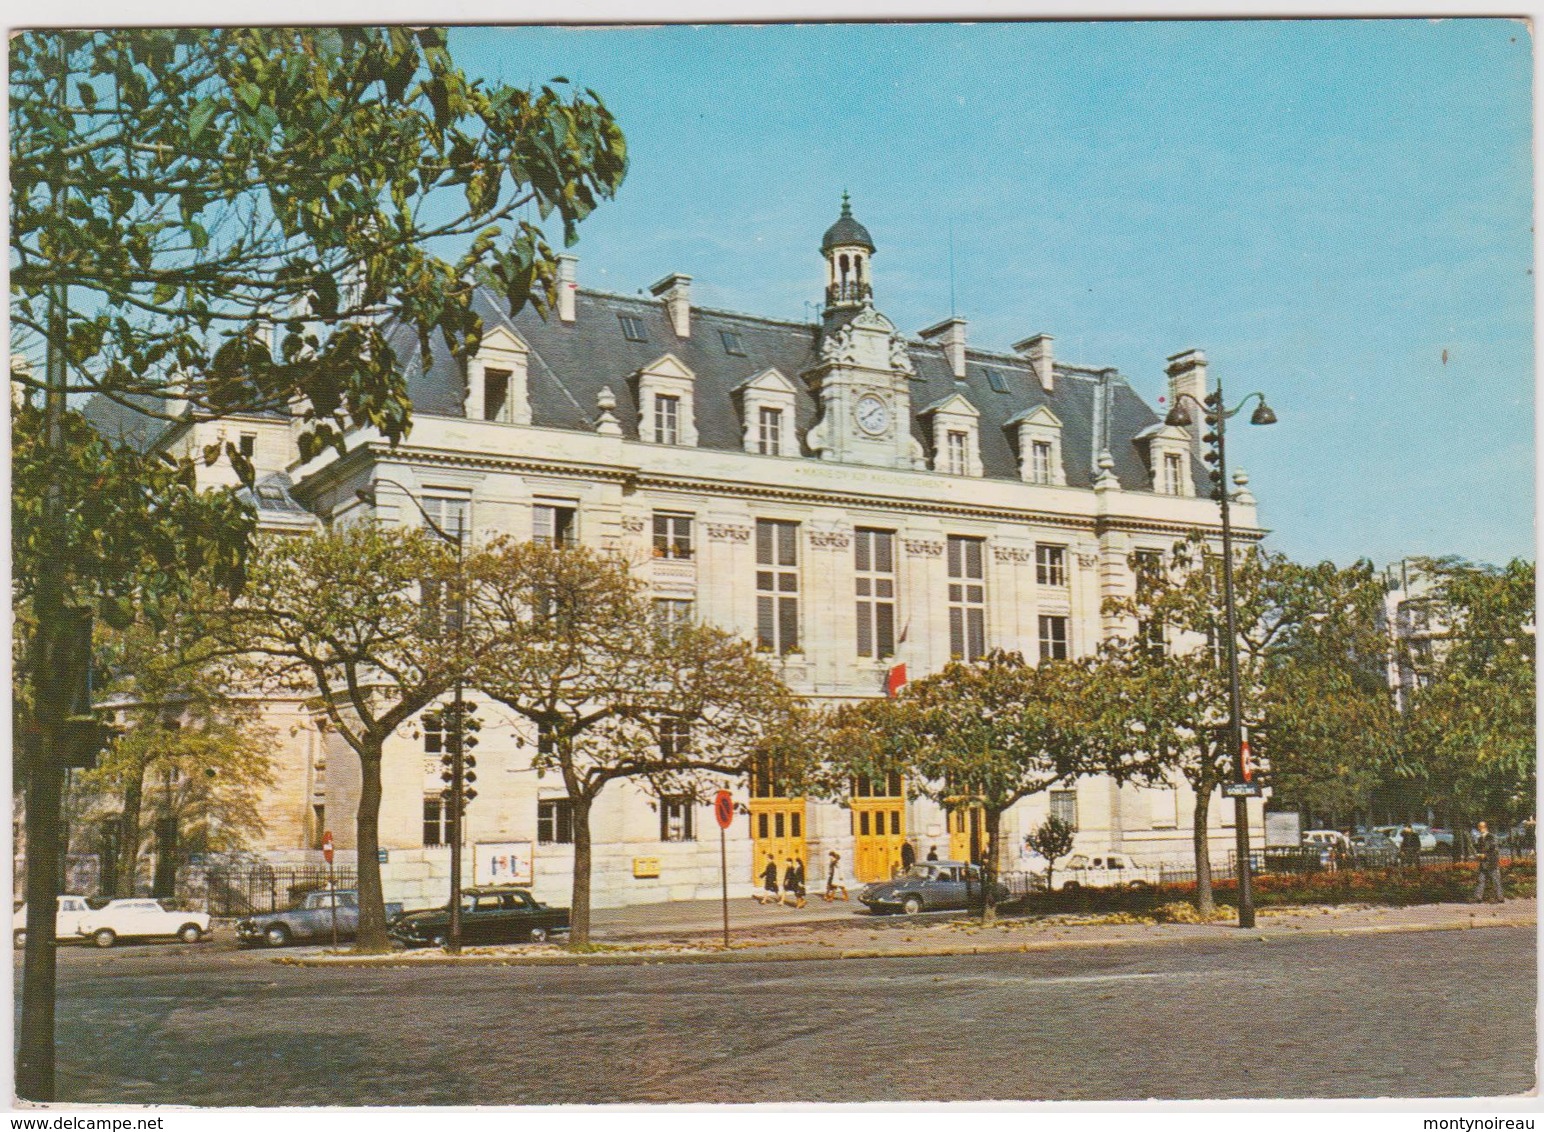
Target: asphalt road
[(1421, 1014)]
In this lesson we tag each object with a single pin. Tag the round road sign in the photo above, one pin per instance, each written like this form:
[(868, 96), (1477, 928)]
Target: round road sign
[(723, 809)]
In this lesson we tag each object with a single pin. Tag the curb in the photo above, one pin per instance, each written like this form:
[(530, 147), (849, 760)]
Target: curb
[(808, 954)]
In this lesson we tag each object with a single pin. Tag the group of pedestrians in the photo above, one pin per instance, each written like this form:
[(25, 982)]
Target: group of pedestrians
[(792, 888)]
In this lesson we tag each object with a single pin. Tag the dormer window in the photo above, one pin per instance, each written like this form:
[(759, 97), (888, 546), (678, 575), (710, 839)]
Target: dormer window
[(957, 441), (667, 419), (733, 343), (770, 431), (632, 328), (995, 379), (496, 379), (1173, 473), (1039, 437), (665, 391), (955, 424), (767, 414)]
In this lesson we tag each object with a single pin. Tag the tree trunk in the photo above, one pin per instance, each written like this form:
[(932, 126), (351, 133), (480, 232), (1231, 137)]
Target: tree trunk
[(579, 909), (371, 938), (128, 836), (1198, 831), (35, 1045), (989, 867)]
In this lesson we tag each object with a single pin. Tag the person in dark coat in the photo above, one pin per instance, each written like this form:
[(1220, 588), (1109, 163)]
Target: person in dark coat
[(932, 853), (768, 881), (1409, 847), (793, 883), (1489, 853), (908, 856)]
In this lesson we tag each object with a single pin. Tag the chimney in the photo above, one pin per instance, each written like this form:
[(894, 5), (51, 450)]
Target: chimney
[(1187, 375), (568, 285), (676, 291), (1038, 352), (950, 334)]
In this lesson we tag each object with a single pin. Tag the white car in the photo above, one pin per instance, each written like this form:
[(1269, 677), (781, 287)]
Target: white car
[(142, 919), (67, 920), (1103, 870)]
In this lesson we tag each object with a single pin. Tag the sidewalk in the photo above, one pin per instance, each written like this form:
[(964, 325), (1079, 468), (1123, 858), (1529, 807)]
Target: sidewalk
[(691, 933)]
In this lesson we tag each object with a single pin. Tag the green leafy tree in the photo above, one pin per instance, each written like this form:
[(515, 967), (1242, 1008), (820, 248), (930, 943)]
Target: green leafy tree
[(191, 749), (353, 617), (612, 693), (985, 734), (180, 197), (1310, 656), (1470, 730), (1052, 839)]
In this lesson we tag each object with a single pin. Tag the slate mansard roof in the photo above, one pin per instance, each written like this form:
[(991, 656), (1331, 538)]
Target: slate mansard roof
[(571, 362)]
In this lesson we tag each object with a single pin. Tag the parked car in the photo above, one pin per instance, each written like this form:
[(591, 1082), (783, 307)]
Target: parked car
[(72, 909), (142, 919), (929, 886), (1103, 870), (1374, 849), (1431, 839), (311, 919), (488, 915)]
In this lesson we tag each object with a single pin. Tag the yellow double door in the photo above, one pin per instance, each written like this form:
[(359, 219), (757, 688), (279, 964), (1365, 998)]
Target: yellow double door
[(967, 834), (777, 829), (879, 831)]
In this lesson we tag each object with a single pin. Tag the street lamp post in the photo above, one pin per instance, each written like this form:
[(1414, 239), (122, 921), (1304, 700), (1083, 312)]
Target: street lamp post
[(454, 734), (1216, 418)]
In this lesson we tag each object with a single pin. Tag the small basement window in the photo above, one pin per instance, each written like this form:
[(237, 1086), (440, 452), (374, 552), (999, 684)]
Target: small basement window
[(632, 328)]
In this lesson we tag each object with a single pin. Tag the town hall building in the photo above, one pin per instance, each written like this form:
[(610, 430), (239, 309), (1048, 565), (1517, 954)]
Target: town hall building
[(848, 496)]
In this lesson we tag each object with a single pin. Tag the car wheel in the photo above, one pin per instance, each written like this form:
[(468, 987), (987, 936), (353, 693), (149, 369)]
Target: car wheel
[(277, 935), (1139, 886), (190, 933), (911, 905), (439, 940), (1071, 886), (106, 937), (19, 939), (538, 935)]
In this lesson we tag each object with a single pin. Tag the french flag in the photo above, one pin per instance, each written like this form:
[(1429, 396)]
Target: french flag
[(895, 680)]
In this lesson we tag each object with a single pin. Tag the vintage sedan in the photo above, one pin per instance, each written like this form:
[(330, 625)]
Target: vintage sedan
[(930, 886), (312, 919), (71, 911), (142, 919), (488, 915)]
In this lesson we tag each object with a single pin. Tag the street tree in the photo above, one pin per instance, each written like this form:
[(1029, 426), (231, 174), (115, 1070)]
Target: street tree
[(1470, 731), (356, 618), (611, 692), (230, 220), (190, 747), (986, 734), (1052, 839), (1296, 625)]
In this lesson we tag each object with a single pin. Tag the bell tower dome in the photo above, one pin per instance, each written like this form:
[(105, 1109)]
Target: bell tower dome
[(847, 247)]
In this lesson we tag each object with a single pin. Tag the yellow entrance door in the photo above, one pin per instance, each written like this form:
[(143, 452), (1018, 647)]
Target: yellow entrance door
[(967, 834), (878, 826), (777, 828)]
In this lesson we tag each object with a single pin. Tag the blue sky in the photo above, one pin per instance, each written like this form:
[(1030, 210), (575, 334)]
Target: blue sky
[(1324, 207)]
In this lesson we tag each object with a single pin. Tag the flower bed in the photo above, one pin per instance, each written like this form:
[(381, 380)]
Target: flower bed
[(1437, 884)]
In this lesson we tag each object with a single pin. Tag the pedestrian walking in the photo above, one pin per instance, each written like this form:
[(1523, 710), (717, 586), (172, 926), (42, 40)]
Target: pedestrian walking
[(932, 853), (834, 879), (1489, 853), (908, 856), (1409, 847), (793, 883), (769, 893)]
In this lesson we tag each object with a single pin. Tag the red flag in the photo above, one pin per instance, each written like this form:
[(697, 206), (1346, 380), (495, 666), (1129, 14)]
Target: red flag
[(896, 680)]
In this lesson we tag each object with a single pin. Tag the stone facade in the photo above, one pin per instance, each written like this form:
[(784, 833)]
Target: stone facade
[(620, 410)]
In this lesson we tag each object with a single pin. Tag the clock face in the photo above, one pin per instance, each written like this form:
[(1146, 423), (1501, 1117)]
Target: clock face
[(873, 415)]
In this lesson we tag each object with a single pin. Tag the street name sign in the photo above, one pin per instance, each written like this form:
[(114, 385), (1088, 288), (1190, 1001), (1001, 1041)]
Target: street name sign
[(1240, 789)]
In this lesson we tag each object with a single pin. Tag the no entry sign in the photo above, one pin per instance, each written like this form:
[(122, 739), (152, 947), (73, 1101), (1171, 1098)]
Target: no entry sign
[(327, 847), (723, 809)]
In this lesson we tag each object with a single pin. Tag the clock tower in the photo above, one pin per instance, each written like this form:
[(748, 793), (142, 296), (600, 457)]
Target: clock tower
[(863, 375)]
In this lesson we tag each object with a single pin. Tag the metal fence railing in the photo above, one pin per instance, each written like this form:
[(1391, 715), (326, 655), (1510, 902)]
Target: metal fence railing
[(248, 889)]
